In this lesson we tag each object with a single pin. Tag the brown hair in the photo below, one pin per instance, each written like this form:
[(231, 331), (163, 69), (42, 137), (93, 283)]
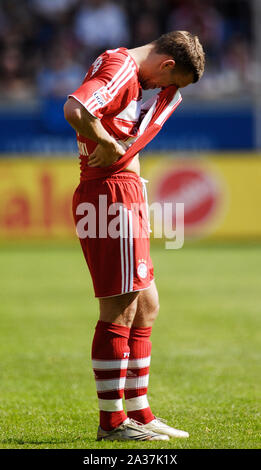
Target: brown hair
[(185, 49)]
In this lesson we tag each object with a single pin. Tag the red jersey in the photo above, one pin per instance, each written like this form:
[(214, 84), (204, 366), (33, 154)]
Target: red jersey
[(112, 93)]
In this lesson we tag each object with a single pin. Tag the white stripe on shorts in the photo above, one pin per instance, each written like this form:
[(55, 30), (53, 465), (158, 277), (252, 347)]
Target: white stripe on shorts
[(131, 250), (121, 249), (126, 250)]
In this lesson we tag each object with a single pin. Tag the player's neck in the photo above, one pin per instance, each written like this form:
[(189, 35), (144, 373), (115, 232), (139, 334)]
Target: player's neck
[(141, 54)]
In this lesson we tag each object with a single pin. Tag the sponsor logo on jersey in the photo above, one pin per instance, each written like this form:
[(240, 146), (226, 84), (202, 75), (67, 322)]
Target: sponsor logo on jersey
[(102, 96), (101, 102)]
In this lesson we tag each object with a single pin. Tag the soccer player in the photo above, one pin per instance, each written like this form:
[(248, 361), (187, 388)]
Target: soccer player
[(106, 113)]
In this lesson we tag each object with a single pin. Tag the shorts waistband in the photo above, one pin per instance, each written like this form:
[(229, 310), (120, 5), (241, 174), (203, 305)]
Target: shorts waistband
[(125, 175), (121, 176)]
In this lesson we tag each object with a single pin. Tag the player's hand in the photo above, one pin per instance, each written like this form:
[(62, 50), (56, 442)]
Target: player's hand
[(105, 155)]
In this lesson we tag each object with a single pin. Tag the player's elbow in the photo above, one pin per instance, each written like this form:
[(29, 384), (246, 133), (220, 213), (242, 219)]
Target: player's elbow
[(72, 112)]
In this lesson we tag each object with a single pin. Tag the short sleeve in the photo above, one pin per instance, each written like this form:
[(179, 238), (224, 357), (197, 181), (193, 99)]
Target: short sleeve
[(105, 84)]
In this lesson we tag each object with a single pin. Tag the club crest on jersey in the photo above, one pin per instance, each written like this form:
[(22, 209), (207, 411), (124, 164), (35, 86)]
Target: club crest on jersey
[(142, 269), (102, 96)]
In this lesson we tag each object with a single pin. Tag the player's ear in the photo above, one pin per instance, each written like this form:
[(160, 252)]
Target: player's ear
[(168, 64)]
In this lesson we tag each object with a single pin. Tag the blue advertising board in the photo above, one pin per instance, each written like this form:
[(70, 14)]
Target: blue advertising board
[(192, 128)]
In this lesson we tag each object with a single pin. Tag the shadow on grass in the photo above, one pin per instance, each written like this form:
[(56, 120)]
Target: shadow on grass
[(22, 441)]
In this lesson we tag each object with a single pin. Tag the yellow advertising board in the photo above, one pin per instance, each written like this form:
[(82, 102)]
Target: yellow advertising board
[(221, 194), (36, 197)]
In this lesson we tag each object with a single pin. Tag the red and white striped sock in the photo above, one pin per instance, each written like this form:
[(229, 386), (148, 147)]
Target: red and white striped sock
[(138, 376), (110, 352)]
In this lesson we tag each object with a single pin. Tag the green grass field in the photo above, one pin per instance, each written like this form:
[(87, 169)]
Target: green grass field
[(205, 372)]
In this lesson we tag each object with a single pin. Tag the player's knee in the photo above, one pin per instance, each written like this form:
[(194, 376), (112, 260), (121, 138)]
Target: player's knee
[(155, 309), (128, 316), (128, 313), (152, 311), (149, 306), (119, 309)]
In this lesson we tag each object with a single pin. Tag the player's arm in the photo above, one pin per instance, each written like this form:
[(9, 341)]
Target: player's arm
[(108, 150)]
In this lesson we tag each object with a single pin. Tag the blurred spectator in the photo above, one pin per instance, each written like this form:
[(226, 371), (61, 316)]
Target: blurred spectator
[(16, 56), (146, 29), (101, 24), (60, 74), (46, 46), (203, 19), (147, 19), (14, 84), (50, 8)]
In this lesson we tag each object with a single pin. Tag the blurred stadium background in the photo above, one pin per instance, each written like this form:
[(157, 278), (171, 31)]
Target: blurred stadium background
[(210, 145), (208, 155)]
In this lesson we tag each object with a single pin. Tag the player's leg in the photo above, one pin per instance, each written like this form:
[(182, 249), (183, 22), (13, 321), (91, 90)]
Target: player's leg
[(110, 352), (147, 309), (140, 355), (138, 366)]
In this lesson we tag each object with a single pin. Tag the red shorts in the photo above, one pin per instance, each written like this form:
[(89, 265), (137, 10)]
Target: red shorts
[(111, 221)]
